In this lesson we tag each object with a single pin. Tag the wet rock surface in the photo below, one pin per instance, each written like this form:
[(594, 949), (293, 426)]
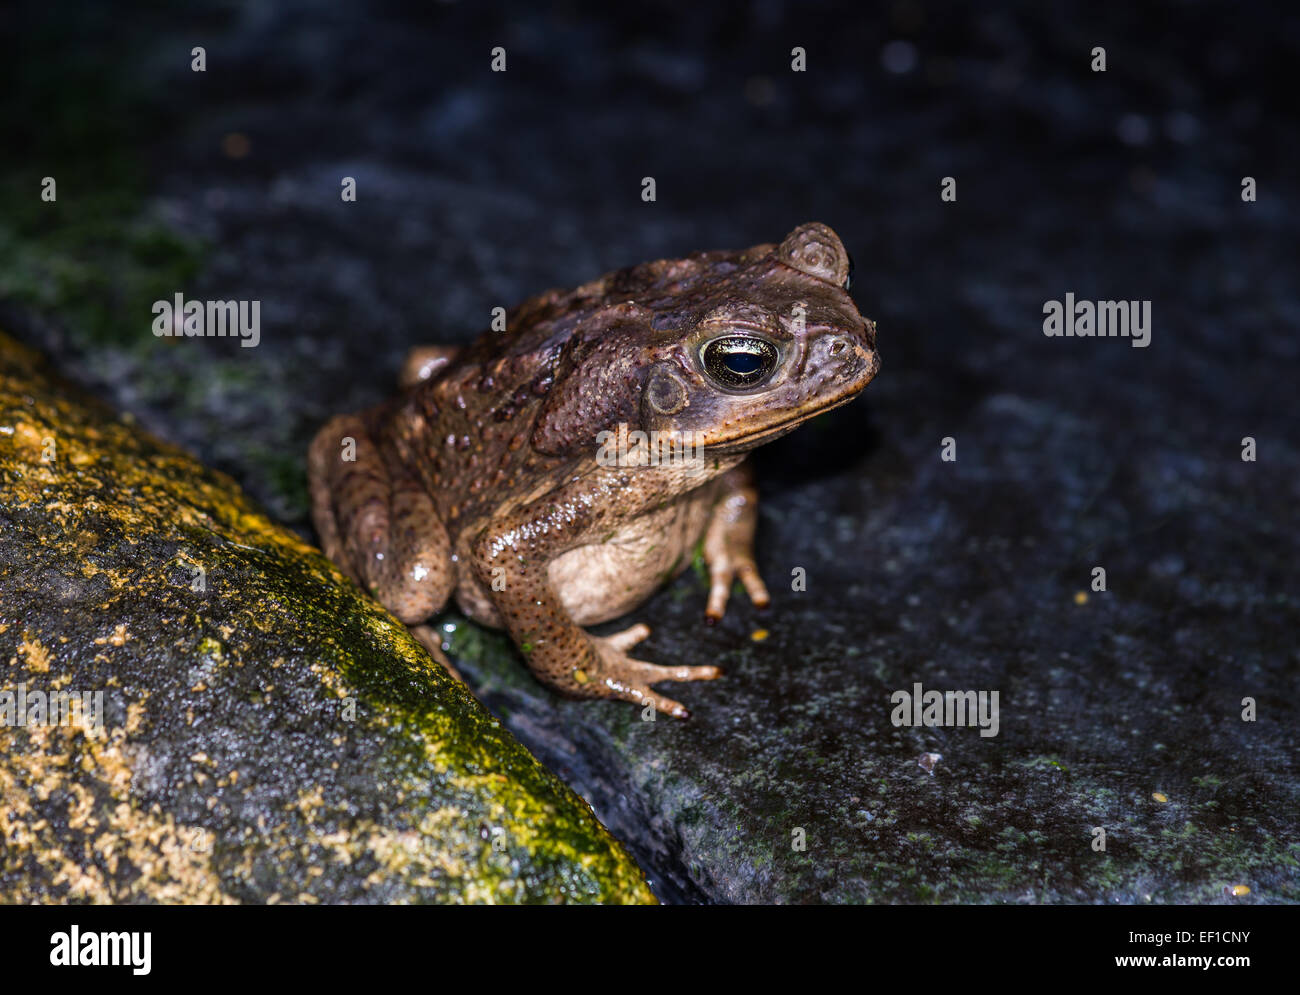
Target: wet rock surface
[(196, 707), (1120, 709)]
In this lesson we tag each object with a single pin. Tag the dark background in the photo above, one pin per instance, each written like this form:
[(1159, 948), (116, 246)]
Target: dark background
[(476, 189)]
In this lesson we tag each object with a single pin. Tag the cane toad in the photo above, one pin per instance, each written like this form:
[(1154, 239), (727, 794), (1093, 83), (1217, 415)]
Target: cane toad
[(553, 475)]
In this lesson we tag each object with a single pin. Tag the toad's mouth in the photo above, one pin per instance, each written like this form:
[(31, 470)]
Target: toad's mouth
[(767, 433)]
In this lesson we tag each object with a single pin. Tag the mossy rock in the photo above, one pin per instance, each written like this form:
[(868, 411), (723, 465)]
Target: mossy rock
[(267, 732)]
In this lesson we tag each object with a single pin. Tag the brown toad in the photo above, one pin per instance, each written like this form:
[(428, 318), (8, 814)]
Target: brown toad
[(553, 475)]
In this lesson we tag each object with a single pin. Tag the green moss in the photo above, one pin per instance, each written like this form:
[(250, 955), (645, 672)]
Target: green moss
[(93, 258), (699, 564), (1044, 763)]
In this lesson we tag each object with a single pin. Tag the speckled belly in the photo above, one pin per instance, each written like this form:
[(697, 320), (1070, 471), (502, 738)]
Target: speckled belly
[(608, 579)]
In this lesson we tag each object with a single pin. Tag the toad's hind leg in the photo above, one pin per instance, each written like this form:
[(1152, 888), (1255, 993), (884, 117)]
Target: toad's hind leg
[(380, 526)]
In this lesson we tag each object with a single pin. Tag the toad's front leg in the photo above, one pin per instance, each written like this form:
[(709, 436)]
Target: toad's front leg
[(512, 557), (729, 542)]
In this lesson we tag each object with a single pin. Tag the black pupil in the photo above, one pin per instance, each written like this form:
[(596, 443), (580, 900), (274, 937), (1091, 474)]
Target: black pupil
[(743, 363)]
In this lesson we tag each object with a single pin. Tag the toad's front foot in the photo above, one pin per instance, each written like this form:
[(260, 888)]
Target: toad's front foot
[(614, 674), (729, 544)]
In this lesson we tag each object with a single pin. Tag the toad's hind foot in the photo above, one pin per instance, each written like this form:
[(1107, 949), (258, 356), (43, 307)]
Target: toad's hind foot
[(629, 679)]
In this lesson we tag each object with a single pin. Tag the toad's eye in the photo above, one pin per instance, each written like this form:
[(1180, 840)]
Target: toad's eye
[(739, 361)]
